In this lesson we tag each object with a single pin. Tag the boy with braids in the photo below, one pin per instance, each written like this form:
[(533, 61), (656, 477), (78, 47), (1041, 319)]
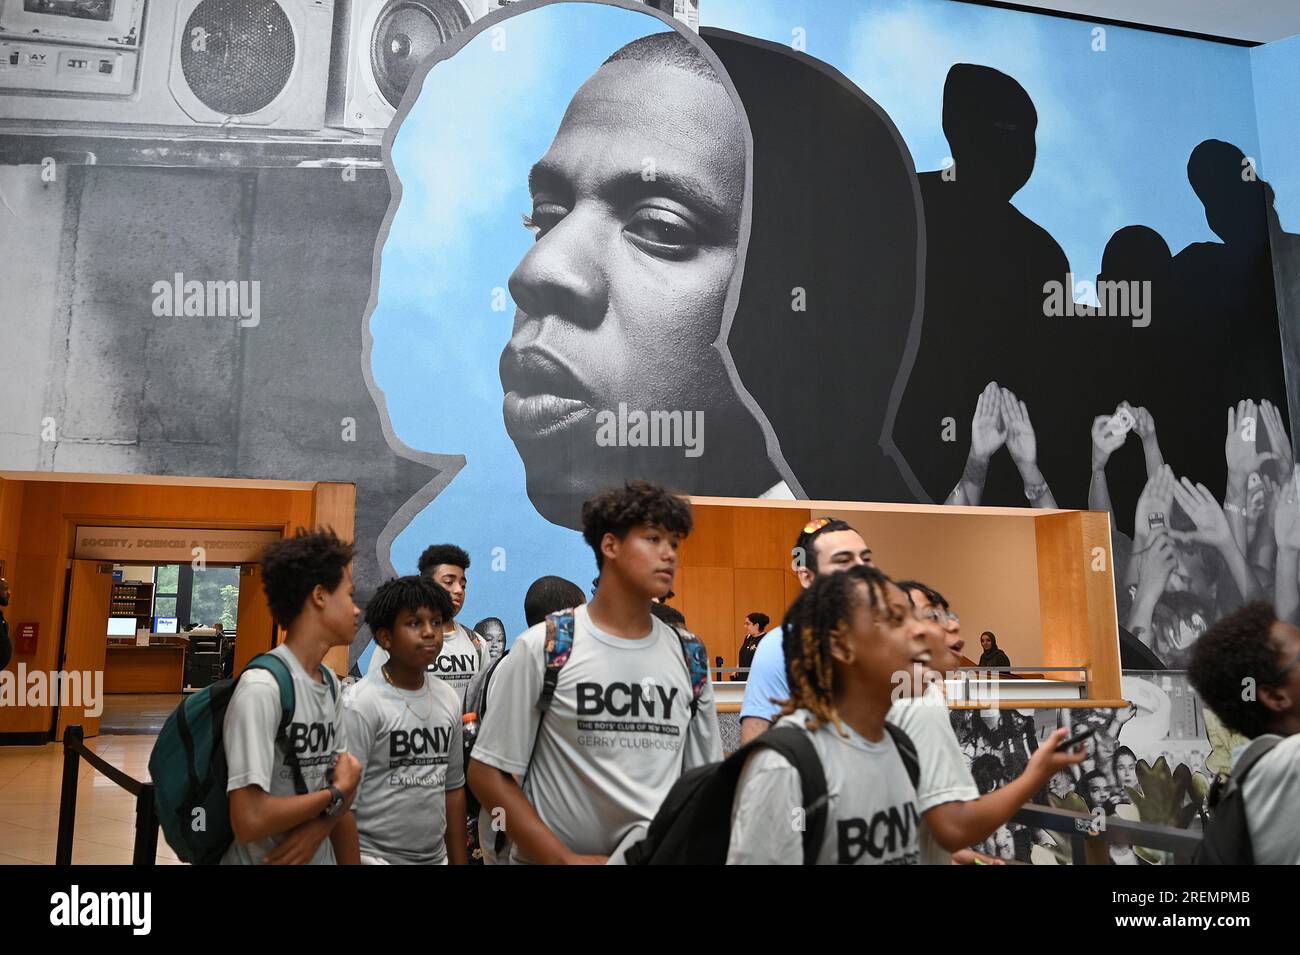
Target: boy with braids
[(825, 546), (624, 719), (953, 813), (404, 727), (847, 638)]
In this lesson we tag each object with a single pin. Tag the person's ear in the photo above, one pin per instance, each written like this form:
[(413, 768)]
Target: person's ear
[(609, 546), (319, 596), (1276, 699), (842, 649), (384, 637), (805, 577)]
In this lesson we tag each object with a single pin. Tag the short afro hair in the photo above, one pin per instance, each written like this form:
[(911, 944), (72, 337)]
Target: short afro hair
[(437, 554), (294, 566), (547, 595), (1236, 649), (669, 49), (406, 593), (618, 510)]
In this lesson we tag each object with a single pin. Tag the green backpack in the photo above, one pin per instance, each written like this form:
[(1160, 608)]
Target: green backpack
[(188, 764)]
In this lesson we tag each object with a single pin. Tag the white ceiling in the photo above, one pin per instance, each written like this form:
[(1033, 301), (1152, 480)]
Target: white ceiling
[(1258, 20)]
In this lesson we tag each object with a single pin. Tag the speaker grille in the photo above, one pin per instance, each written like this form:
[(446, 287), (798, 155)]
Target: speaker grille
[(237, 55), (406, 32)]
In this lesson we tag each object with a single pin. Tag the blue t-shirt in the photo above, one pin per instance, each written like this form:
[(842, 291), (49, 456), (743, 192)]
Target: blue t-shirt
[(767, 679)]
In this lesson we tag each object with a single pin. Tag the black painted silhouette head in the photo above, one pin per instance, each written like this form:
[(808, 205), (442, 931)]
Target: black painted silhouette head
[(1233, 195), (989, 121)]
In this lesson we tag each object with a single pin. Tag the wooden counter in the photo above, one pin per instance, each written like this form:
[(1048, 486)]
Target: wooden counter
[(157, 668)]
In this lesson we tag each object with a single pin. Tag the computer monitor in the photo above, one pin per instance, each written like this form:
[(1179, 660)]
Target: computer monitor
[(164, 624), (121, 626)]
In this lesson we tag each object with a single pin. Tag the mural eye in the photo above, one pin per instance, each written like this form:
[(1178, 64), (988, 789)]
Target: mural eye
[(662, 233), (544, 217)]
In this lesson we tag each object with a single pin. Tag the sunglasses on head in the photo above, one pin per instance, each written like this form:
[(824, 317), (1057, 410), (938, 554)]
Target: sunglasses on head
[(812, 527)]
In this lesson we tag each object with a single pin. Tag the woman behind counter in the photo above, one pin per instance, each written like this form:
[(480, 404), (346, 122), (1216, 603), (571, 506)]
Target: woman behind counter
[(992, 656)]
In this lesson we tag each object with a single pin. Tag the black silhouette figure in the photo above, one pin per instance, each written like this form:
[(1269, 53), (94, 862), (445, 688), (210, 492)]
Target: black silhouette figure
[(1136, 259), (1225, 343), (986, 267)]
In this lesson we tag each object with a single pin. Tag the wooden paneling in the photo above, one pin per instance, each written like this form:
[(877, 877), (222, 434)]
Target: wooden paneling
[(255, 631), (1062, 600), (1076, 594), (335, 506), (46, 513), (153, 669), (1103, 627), (85, 644), (11, 504), (764, 537), (710, 541), (704, 595)]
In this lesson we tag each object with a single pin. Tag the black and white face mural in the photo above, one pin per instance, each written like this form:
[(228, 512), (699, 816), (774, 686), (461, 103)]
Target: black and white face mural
[(601, 246)]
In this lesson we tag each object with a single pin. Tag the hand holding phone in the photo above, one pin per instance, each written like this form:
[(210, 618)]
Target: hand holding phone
[(1121, 422), (1068, 745)]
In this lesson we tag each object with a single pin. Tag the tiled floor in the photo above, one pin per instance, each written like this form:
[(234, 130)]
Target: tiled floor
[(30, 781)]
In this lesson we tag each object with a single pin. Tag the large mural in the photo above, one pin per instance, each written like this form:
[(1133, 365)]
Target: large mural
[(908, 251)]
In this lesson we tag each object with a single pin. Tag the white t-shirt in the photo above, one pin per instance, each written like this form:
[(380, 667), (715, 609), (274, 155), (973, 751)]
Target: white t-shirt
[(618, 734), (458, 661), (871, 814), (1272, 799), (253, 759), (409, 745), (944, 773)]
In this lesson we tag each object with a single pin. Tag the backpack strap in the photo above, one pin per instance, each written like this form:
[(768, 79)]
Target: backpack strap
[(798, 750), (288, 703), (907, 750), (697, 664), (1256, 750), (556, 649)]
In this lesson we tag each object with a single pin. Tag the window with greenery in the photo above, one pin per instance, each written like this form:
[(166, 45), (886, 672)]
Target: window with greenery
[(167, 579), (215, 597)]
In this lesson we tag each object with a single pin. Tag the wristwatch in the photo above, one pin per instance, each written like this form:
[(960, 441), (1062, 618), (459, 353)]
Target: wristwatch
[(336, 802)]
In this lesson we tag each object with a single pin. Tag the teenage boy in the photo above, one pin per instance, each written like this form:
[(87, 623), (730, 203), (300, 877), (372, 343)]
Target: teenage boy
[(1251, 647), (287, 800), (623, 722), (464, 652), (954, 815), (404, 727), (825, 546), (847, 638)]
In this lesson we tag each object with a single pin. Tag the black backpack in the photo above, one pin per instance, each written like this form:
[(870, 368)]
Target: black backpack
[(1226, 840), (693, 825)]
